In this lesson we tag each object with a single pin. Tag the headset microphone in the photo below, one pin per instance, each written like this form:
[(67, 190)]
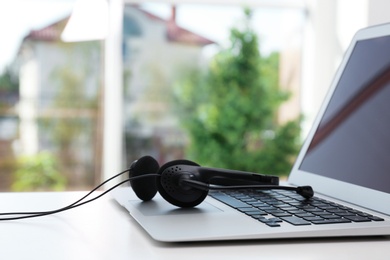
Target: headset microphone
[(305, 191)]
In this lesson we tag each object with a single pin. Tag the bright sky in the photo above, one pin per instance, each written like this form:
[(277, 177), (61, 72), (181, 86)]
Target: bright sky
[(18, 17), (275, 26)]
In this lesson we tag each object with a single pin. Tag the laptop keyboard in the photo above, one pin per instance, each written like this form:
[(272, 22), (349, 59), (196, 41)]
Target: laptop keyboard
[(276, 206)]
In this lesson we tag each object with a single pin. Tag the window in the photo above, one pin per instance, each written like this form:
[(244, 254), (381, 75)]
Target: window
[(51, 92)]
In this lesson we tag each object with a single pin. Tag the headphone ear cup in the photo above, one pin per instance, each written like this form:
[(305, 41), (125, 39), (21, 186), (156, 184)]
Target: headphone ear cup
[(144, 188), (171, 191)]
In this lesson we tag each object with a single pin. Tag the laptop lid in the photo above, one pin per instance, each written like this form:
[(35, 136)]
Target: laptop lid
[(347, 152)]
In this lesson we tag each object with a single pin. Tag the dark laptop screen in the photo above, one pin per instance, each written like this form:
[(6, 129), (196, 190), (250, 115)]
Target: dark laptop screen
[(352, 142)]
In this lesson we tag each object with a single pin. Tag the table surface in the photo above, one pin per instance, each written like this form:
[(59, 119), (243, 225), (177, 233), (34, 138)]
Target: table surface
[(104, 230)]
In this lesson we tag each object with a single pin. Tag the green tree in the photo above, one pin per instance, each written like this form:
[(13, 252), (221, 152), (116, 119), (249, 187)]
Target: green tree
[(38, 172), (230, 111), (9, 82), (69, 130), (9, 88)]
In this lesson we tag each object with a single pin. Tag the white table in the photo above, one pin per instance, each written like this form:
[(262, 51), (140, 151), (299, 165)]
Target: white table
[(103, 230)]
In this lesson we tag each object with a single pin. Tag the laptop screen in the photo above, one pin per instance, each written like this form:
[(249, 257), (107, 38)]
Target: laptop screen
[(352, 141)]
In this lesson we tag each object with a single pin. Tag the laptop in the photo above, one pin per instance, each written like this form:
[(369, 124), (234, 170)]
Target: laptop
[(345, 158)]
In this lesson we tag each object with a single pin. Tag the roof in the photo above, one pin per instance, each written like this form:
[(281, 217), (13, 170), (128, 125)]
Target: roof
[(178, 34), (48, 33), (175, 33)]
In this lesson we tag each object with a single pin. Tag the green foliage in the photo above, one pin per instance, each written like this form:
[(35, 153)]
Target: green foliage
[(9, 88), (70, 79), (70, 98), (38, 172), (8, 81), (69, 129), (230, 111)]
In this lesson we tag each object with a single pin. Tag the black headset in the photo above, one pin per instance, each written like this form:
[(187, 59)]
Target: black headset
[(185, 184), (182, 183)]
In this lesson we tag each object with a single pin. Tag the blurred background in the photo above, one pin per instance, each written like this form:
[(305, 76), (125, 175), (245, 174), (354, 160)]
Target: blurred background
[(88, 86)]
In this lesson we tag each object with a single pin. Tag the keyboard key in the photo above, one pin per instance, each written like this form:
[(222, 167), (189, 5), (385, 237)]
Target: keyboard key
[(295, 221), (287, 207), (256, 212), (266, 208), (331, 221), (230, 201), (346, 213), (314, 210), (304, 215), (275, 211), (358, 218), (330, 216), (263, 219), (374, 218), (312, 218), (281, 214), (258, 216), (272, 224), (276, 220), (244, 209)]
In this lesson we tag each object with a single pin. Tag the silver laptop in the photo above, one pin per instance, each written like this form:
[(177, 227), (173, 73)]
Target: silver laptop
[(346, 159)]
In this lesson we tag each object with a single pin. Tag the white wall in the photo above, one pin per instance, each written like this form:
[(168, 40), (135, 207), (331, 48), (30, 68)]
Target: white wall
[(378, 11), (27, 108), (330, 26)]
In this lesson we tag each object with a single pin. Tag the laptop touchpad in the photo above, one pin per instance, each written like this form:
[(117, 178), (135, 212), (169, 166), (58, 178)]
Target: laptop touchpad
[(159, 206)]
